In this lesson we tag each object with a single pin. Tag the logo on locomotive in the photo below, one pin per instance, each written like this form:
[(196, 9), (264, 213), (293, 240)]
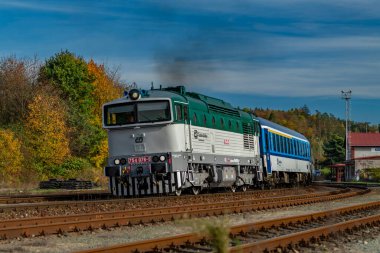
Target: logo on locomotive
[(139, 139), (200, 135)]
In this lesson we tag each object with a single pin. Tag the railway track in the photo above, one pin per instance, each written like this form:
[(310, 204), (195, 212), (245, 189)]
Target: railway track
[(90, 195), (71, 223), (272, 235), (77, 195), (128, 203)]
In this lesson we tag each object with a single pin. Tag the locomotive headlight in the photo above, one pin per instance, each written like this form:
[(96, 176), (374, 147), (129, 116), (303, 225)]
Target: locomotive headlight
[(162, 158), (117, 161), (134, 94)]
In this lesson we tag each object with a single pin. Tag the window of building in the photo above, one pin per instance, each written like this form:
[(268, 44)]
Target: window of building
[(213, 121), (229, 124), (221, 123)]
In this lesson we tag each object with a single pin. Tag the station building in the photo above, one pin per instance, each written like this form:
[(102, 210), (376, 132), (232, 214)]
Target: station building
[(365, 152)]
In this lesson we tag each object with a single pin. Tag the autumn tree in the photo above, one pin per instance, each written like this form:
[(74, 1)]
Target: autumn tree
[(17, 80), (46, 133), (11, 158), (105, 89), (69, 74)]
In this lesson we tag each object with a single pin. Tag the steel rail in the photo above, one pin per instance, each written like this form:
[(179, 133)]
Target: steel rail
[(52, 225), (303, 236), (168, 210), (32, 198), (125, 202), (29, 198), (263, 245)]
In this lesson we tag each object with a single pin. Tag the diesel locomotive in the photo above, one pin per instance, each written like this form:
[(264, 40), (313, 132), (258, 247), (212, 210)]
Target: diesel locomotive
[(168, 140)]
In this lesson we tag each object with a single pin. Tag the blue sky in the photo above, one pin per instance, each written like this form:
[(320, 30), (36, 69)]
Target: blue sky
[(277, 54)]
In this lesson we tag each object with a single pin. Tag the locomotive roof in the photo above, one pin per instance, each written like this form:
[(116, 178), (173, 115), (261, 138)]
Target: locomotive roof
[(199, 101), (195, 100), (283, 129)]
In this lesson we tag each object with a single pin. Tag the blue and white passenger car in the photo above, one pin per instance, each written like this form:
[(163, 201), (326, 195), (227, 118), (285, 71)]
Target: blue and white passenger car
[(285, 153)]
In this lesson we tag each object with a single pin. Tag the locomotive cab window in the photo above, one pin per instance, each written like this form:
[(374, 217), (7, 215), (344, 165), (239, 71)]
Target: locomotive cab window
[(153, 111), (137, 112), (120, 115)]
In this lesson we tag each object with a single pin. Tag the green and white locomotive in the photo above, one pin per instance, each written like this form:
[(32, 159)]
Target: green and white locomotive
[(168, 140)]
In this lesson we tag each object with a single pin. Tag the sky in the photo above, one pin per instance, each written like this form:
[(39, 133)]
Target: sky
[(276, 54)]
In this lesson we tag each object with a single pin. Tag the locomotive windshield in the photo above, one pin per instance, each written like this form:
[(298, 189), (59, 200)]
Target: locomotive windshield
[(136, 112)]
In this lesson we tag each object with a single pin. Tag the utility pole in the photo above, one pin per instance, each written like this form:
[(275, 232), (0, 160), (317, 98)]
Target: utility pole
[(346, 95)]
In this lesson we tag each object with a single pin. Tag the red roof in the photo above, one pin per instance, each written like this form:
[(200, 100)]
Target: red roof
[(365, 139), (376, 157)]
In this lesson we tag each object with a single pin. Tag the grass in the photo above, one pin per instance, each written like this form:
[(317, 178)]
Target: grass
[(217, 230)]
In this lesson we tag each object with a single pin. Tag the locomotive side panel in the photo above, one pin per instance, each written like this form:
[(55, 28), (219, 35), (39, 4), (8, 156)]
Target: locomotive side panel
[(156, 139), (218, 142)]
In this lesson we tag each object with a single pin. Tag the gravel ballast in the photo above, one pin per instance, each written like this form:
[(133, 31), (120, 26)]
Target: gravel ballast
[(99, 238)]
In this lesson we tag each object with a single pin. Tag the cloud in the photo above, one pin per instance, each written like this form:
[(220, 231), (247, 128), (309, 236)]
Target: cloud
[(37, 6), (268, 47)]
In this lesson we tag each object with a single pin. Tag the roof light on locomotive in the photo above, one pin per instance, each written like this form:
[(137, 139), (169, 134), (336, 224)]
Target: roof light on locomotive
[(134, 94)]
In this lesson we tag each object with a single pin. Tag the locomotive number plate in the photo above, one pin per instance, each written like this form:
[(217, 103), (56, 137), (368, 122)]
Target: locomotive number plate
[(139, 147), (139, 159)]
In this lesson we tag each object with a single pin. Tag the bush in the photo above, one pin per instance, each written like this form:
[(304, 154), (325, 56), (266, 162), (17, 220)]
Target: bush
[(73, 167), (11, 158), (218, 231), (325, 171), (370, 174)]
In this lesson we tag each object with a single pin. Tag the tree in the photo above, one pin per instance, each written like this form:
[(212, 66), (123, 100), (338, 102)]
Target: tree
[(17, 79), (334, 150), (69, 74), (11, 158), (305, 109), (104, 88), (46, 133)]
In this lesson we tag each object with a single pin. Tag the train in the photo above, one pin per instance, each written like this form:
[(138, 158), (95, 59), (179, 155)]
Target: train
[(168, 140)]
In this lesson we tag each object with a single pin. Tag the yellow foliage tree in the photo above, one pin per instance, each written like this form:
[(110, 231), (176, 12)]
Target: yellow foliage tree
[(46, 132), (105, 90), (11, 157)]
